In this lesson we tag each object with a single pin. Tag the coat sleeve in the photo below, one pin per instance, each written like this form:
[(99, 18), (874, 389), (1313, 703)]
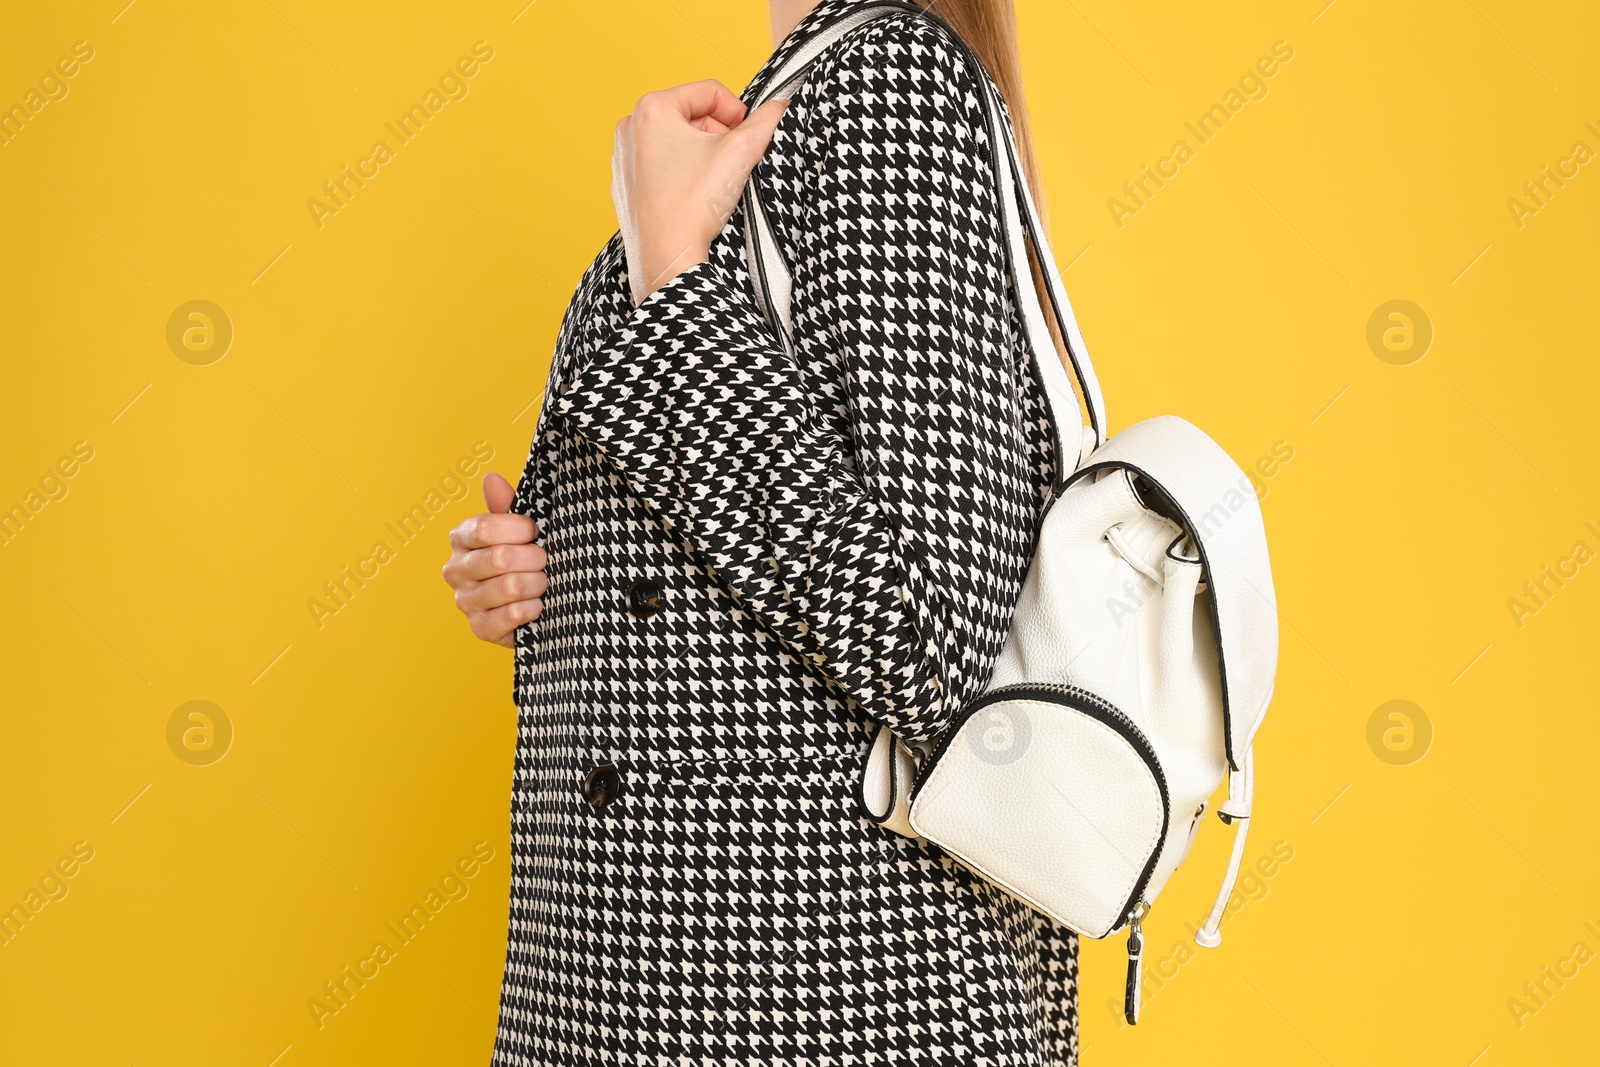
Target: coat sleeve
[(889, 556)]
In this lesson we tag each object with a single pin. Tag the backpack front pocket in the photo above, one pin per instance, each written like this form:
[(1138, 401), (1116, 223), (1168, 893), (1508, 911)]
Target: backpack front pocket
[(1057, 789)]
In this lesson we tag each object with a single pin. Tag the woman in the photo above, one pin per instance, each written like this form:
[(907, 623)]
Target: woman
[(755, 559)]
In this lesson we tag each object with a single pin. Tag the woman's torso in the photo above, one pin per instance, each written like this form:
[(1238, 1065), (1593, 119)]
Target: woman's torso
[(730, 902)]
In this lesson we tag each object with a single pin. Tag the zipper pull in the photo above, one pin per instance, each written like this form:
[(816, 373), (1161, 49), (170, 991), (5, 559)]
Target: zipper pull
[(1130, 1002)]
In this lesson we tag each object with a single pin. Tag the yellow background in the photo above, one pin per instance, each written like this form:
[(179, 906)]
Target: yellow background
[(372, 752)]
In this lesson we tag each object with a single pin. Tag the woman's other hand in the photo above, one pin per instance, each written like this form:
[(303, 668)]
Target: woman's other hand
[(495, 569), (677, 172)]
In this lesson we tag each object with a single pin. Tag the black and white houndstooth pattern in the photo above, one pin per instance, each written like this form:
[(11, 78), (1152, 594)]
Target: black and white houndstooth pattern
[(840, 539)]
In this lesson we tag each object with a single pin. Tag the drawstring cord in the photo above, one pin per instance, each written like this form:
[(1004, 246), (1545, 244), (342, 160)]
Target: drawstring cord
[(1241, 793)]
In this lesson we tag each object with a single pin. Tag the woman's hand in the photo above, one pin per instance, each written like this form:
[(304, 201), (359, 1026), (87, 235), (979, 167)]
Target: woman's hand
[(677, 172), (495, 569)]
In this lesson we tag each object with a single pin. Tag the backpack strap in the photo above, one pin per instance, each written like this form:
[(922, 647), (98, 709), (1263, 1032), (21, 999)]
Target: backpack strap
[(772, 281), (769, 274)]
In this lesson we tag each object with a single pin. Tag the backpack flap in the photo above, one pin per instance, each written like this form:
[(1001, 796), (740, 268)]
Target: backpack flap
[(1216, 502)]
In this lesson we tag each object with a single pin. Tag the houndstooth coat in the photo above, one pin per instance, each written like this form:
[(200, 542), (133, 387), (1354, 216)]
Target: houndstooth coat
[(755, 559)]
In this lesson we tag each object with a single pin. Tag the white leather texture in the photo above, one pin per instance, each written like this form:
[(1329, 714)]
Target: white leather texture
[(1088, 617), (1077, 779), (1220, 505), (1123, 602)]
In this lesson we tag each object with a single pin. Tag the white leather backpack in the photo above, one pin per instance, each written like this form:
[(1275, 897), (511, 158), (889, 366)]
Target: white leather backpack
[(1142, 652)]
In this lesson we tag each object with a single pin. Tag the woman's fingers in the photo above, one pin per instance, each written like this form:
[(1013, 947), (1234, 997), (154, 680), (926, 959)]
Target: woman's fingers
[(494, 567), (748, 143), (701, 99), (497, 493), (487, 528), (682, 151), (499, 624), (619, 139), (500, 591), (503, 589), (481, 564)]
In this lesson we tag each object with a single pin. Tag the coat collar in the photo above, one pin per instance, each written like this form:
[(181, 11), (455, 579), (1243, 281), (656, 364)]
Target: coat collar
[(824, 13)]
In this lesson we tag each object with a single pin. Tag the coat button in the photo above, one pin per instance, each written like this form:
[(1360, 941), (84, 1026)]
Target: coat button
[(644, 598), (601, 786)]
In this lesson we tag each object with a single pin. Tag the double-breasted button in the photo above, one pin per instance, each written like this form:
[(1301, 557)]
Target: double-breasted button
[(644, 598), (601, 786)]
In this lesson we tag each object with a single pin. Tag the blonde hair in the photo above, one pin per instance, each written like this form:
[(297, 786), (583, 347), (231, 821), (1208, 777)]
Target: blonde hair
[(989, 28)]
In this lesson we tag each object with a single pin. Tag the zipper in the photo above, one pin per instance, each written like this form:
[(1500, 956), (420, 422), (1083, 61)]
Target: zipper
[(1095, 707), (1130, 997)]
